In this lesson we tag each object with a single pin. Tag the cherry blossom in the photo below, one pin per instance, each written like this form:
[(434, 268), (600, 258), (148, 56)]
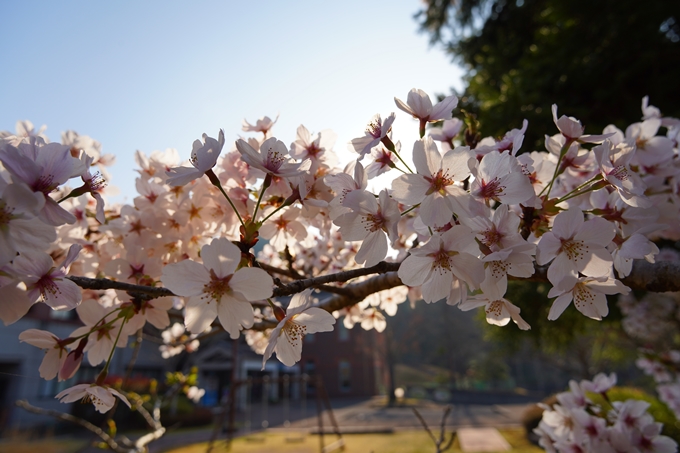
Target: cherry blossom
[(446, 257), (203, 158), (369, 221), (376, 130), (419, 105), (300, 318), (576, 246), (434, 185), (272, 158), (217, 289), (263, 125), (588, 294), (55, 351), (103, 398), (47, 283)]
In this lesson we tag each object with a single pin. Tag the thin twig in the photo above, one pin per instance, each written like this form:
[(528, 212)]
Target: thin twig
[(77, 420)]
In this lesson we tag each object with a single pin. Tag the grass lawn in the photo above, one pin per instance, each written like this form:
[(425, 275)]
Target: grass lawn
[(42, 446), (399, 442)]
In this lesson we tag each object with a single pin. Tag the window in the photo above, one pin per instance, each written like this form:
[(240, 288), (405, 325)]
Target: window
[(345, 374)]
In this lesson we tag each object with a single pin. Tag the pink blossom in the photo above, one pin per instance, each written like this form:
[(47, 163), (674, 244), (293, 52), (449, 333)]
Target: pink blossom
[(217, 289), (103, 398), (434, 184), (300, 318)]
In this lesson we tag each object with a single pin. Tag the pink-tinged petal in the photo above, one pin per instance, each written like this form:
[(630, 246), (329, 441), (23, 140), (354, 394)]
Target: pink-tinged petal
[(472, 303), (420, 103), (273, 341), (120, 396), (404, 106), (66, 297), (443, 110), (186, 278), (55, 215), (561, 268), (221, 256), (361, 200), (23, 199), (468, 268), (609, 286), (559, 305), (35, 264), (72, 255), (234, 313), (75, 393), (56, 161), (90, 312), (39, 338), (414, 270), (51, 363), (514, 314), (253, 284), (300, 302), (435, 210), (24, 168), (455, 162), (567, 223), (438, 286), (591, 303), (158, 318), (351, 227), (99, 351), (102, 399), (31, 234), (288, 348), (518, 188), (547, 249), (596, 231), (15, 303), (426, 157), (496, 314), (199, 314), (373, 249), (598, 264), (410, 189), (316, 320), (180, 176)]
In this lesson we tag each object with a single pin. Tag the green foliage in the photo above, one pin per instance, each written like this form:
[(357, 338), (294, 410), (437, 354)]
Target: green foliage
[(595, 60)]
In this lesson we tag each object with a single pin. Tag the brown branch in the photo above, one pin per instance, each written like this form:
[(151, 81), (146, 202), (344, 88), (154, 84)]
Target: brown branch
[(77, 420), (105, 283), (657, 277), (300, 285)]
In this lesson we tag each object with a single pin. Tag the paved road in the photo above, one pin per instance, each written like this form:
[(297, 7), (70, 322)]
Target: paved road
[(358, 416)]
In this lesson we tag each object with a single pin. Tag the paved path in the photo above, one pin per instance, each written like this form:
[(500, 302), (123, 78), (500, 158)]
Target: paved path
[(365, 416), (474, 440)]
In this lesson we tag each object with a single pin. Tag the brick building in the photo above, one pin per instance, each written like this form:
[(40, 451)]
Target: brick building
[(350, 361)]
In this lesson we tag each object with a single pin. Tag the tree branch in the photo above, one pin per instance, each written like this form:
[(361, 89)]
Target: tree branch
[(657, 277), (79, 421)]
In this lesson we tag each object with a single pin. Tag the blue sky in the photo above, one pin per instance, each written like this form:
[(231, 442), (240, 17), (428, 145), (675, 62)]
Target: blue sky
[(152, 75)]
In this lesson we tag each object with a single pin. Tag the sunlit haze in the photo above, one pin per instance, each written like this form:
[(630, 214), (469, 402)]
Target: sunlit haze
[(154, 75)]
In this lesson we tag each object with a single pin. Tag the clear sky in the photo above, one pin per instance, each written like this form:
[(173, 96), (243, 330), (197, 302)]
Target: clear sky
[(152, 75)]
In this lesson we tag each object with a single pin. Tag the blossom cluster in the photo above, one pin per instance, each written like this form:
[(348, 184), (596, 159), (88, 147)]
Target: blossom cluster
[(578, 424), (458, 217)]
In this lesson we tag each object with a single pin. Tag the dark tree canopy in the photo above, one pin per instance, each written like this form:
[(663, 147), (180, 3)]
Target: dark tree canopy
[(594, 59)]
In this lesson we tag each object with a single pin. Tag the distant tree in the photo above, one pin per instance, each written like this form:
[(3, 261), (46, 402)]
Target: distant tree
[(594, 59)]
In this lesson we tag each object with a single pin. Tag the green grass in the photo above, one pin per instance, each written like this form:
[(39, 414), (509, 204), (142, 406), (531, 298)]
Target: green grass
[(399, 442)]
